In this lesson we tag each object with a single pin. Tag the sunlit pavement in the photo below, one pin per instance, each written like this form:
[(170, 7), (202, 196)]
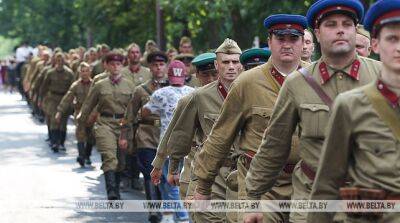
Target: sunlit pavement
[(37, 185)]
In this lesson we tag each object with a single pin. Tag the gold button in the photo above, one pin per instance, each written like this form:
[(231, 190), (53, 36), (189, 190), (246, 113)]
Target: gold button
[(340, 76)]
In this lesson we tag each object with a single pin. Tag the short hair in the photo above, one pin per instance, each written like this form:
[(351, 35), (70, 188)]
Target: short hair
[(82, 65), (132, 45), (171, 49), (184, 40)]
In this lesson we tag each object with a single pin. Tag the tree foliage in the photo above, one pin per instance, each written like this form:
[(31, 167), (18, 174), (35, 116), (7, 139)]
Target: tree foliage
[(71, 23)]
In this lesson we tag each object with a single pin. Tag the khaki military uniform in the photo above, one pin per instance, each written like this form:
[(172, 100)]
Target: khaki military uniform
[(111, 101), (36, 86), (359, 144), (139, 77), (299, 105), (198, 118), (39, 67), (75, 96), (54, 87), (29, 73), (74, 67), (101, 76), (148, 131), (245, 113), (97, 68), (192, 81)]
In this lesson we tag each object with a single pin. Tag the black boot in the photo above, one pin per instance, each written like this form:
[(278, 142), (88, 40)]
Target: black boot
[(88, 153), (55, 138), (137, 184), (111, 185), (117, 182), (63, 135), (81, 154), (49, 135)]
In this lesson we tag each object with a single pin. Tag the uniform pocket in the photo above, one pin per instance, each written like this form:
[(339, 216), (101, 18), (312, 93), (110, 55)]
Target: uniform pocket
[(314, 118), (376, 156), (124, 96), (260, 117)]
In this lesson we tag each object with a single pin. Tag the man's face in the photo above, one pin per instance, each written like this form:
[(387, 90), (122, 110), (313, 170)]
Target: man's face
[(337, 35), (171, 55), (134, 55), (285, 48), (308, 46), (185, 48), (363, 45), (85, 73), (46, 57), (228, 66), (158, 69), (114, 67), (104, 50), (92, 56), (188, 66), (387, 45), (59, 62), (206, 77)]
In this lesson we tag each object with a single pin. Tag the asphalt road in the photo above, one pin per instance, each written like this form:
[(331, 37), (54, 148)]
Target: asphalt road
[(37, 185)]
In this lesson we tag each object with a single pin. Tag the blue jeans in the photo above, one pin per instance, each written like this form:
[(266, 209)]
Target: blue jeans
[(169, 192), (144, 157)]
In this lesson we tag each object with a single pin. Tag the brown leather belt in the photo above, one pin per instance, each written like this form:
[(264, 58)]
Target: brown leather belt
[(114, 116), (307, 170), (57, 93), (154, 122), (288, 168), (356, 193)]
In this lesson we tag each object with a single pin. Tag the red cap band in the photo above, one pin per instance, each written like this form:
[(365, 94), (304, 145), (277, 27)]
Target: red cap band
[(333, 8), (287, 26)]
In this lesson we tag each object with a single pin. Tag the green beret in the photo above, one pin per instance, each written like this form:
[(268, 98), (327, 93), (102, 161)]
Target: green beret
[(255, 56), (229, 46), (204, 61)]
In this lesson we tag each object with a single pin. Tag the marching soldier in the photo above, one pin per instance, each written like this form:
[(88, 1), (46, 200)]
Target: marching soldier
[(135, 72), (76, 96), (55, 85), (111, 96), (147, 135), (308, 47), (247, 109), (206, 73), (363, 132), (138, 75), (363, 41), (198, 117), (305, 101), (254, 57), (163, 102), (185, 45)]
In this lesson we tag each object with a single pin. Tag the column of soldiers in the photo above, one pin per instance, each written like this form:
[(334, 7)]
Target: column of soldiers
[(262, 124)]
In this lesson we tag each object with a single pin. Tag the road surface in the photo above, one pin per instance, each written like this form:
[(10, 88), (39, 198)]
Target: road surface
[(37, 185)]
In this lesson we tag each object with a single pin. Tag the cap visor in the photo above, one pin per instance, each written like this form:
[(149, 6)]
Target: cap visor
[(294, 32)]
